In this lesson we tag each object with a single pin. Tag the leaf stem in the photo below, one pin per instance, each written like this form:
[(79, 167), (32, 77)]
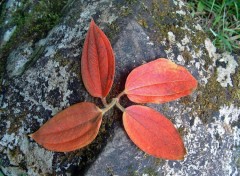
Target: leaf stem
[(115, 101), (109, 106), (104, 102), (119, 106), (121, 94)]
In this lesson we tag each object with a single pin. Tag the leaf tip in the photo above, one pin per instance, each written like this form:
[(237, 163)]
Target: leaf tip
[(92, 22), (183, 154)]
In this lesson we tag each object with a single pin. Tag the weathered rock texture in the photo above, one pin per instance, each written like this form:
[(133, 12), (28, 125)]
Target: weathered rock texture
[(140, 31)]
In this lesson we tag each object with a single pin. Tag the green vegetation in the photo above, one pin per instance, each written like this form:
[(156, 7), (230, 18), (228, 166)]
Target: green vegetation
[(221, 20), (33, 20)]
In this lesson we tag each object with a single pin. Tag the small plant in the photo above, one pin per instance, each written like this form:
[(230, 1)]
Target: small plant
[(220, 19), (158, 81)]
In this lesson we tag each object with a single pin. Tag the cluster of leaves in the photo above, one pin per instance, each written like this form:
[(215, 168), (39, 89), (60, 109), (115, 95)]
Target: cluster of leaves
[(158, 81), (220, 19)]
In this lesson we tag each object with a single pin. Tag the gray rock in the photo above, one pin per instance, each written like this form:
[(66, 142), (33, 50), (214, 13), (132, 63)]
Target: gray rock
[(33, 93), (17, 60), (140, 31), (212, 147)]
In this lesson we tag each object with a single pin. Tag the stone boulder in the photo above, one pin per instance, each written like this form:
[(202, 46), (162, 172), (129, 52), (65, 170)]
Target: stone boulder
[(140, 31)]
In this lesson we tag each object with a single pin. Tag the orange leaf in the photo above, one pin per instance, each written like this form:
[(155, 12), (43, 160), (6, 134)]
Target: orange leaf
[(71, 129), (153, 133), (97, 63), (159, 81)]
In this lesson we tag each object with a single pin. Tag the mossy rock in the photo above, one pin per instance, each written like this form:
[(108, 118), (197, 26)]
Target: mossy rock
[(140, 31)]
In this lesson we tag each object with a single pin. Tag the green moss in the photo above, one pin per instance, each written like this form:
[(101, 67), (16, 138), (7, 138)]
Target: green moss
[(1, 174), (165, 19), (131, 1), (159, 161), (14, 153), (236, 87), (198, 38), (143, 23), (186, 56), (238, 162), (110, 171), (33, 20), (62, 61), (17, 121), (209, 101), (113, 29), (33, 58), (150, 171), (131, 171), (125, 11), (182, 131)]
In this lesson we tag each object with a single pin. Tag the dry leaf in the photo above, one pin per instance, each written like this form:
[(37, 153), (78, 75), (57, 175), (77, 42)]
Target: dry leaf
[(71, 129), (153, 133), (97, 63), (159, 81)]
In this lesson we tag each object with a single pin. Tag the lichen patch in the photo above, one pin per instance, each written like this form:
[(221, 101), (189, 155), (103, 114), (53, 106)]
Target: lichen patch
[(210, 48), (181, 12), (219, 139), (8, 34), (230, 115), (17, 60), (224, 73), (171, 37)]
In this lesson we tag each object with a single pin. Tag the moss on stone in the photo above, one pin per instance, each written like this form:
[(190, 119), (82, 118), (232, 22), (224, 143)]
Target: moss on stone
[(110, 171), (236, 87), (3, 12), (33, 58), (33, 20), (113, 29), (17, 121), (143, 23), (182, 131), (163, 19), (125, 11), (213, 95), (150, 171), (186, 56), (131, 1), (238, 162), (131, 171), (159, 161)]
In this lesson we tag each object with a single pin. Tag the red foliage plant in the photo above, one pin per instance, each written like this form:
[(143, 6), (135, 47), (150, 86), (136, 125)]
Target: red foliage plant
[(158, 81)]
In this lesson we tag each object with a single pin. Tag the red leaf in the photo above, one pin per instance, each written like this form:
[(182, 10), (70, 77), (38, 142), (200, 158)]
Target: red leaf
[(97, 63), (71, 129), (159, 81), (153, 133)]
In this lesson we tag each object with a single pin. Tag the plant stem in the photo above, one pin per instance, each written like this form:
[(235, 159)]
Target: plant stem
[(115, 101), (104, 101), (119, 106), (121, 94), (109, 106)]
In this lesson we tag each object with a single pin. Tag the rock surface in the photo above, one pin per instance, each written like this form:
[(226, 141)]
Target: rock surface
[(140, 31)]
